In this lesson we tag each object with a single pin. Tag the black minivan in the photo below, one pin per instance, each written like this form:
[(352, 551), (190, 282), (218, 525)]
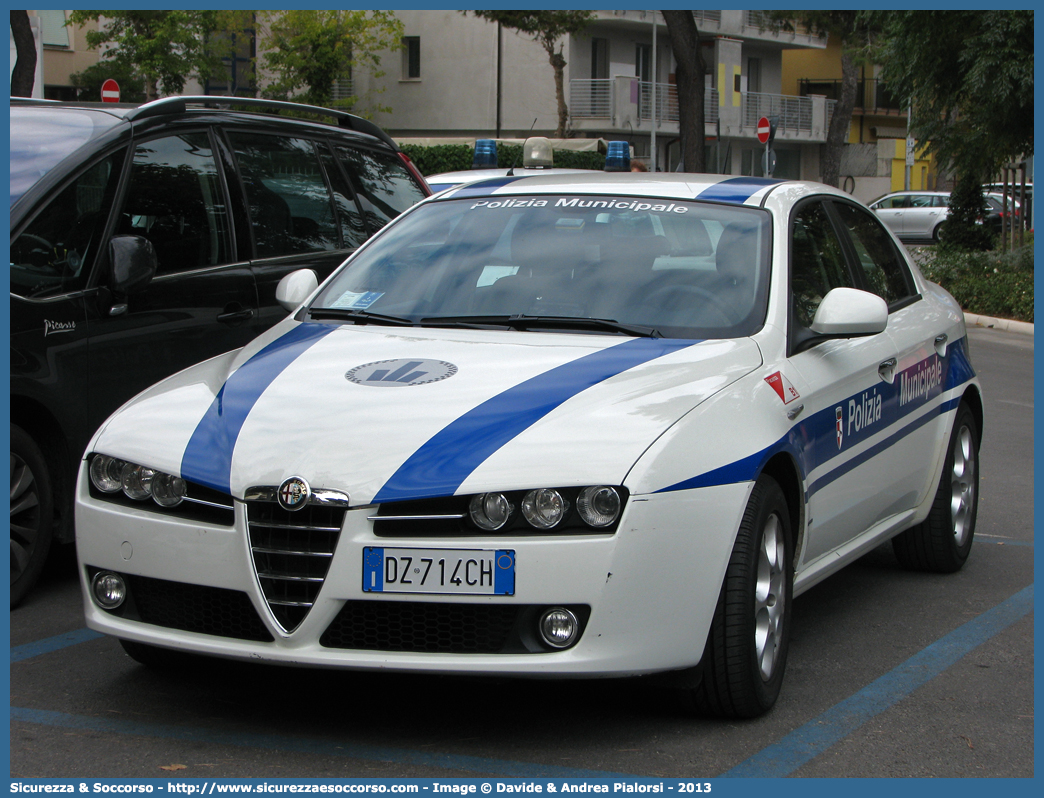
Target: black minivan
[(146, 239)]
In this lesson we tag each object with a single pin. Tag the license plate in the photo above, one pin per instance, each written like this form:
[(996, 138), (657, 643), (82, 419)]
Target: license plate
[(484, 572)]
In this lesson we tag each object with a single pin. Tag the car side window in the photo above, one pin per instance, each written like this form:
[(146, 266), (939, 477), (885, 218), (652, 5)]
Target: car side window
[(291, 209), (175, 199), (921, 201), (353, 225), (886, 274), (385, 185), (941, 201), (53, 254), (817, 261)]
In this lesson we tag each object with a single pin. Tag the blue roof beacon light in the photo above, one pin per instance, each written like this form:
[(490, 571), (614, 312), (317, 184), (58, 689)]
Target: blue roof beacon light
[(485, 154), (618, 157)]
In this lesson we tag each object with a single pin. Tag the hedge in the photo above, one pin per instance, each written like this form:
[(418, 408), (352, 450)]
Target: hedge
[(988, 283), (457, 157)]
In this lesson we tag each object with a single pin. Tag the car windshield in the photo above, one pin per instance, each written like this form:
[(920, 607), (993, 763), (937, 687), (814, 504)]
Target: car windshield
[(570, 263), (43, 137)]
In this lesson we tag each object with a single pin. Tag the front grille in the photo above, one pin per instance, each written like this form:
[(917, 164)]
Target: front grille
[(431, 628), (422, 627), (192, 608), (292, 551)]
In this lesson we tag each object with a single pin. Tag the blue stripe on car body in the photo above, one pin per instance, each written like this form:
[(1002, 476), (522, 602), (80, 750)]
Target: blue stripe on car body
[(736, 190), (208, 456), (440, 466), (813, 441)]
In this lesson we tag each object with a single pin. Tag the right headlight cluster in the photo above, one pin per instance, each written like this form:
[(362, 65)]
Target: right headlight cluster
[(110, 475), (544, 509)]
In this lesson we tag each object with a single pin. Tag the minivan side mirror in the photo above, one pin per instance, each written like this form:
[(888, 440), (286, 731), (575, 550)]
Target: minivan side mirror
[(295, 288), (133, 261), (849, 313)]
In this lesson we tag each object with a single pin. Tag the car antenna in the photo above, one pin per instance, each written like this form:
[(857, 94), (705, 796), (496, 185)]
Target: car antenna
[(511, 171)]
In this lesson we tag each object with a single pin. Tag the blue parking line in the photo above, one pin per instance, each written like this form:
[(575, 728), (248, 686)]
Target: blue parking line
[(49, 644), (372, 753), (821, 733)]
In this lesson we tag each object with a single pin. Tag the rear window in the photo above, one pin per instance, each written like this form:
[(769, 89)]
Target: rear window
[(42, 137)]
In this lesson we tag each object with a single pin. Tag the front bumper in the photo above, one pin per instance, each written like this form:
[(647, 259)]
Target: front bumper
[(650, 588)]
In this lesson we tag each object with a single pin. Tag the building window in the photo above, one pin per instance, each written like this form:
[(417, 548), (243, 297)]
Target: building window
[(53, 32), (599, 59), (643, 62), (754, 74), (411, 69)]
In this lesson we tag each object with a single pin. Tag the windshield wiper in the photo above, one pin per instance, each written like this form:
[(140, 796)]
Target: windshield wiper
[(523, 322), (359, 317)]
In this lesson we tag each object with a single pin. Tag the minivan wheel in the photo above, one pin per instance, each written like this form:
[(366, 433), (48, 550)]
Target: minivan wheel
[(32, 513)]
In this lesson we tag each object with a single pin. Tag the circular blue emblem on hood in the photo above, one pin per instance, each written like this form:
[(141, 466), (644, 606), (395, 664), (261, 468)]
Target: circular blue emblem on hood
[(400, 373)]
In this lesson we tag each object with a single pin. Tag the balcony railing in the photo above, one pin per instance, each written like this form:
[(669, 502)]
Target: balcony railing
[(591, 99), (794, 113), (667, 103)]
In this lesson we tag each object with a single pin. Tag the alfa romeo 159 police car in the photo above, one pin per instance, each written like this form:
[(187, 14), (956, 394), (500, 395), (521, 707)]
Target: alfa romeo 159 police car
[(584, 425)]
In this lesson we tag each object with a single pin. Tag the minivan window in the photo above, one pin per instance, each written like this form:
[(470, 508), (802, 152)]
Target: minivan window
[(290, 205), (175, 199), (43, 138), (53, 254)]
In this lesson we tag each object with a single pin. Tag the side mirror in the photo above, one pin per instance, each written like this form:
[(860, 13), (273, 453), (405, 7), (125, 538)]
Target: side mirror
[(295, 288), (134, 263), (849, 313)]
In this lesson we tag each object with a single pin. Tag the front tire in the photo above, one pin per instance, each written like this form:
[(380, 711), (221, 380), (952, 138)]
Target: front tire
[(942, 542), (746, 651), (32, 513)]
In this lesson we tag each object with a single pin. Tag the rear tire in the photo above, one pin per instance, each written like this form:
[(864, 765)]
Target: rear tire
[(942, 542), (32, 513), (746, 651)]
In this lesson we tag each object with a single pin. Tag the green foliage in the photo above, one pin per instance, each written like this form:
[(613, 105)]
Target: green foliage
[(306, 52), (164, 47), (439, 159), (457, 157), (969, 75), (88, 83), (988, 283), (963, 228)]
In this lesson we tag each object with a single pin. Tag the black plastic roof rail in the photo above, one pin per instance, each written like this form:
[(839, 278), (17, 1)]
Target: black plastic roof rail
[(179, 105)]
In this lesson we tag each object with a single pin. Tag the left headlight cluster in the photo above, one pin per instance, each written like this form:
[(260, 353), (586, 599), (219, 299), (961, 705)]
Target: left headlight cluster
[(545, 509), (110, 475)]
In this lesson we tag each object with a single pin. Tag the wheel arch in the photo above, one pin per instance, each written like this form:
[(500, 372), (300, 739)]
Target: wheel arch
[(973, 399), (784, 469), (44, 428)]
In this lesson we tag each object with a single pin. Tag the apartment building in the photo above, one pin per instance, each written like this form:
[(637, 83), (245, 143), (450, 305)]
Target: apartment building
[(461, 76)]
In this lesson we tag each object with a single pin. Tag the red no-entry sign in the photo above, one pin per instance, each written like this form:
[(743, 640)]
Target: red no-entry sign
[(110, 91), (764, 129)]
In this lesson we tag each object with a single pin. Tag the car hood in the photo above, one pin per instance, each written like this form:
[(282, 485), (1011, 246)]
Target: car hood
[(386, 414)]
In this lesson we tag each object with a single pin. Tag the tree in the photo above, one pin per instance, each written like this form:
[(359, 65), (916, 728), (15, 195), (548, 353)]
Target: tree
[(546, 27), (88, 83), (164, 47), (24, 74), (689, 73), (969, 78), (308, 51), (855, 33)]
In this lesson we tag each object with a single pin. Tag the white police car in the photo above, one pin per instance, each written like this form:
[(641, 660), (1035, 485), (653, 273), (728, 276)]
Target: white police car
[(552, 426)]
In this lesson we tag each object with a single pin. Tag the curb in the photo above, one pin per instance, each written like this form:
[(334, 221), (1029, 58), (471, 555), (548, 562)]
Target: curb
[(1008, 325)]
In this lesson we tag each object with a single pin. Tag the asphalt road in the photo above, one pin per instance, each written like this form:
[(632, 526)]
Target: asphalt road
[(891, 673)]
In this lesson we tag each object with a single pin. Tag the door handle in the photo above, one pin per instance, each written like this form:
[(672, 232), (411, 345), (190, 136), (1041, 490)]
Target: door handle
[(887, 370), (940, 344), (236, 316)]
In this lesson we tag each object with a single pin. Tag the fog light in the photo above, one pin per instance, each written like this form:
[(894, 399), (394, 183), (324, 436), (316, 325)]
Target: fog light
[(490, 511), (106, 473), (544, 508), (559, 627), (109, 590)]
